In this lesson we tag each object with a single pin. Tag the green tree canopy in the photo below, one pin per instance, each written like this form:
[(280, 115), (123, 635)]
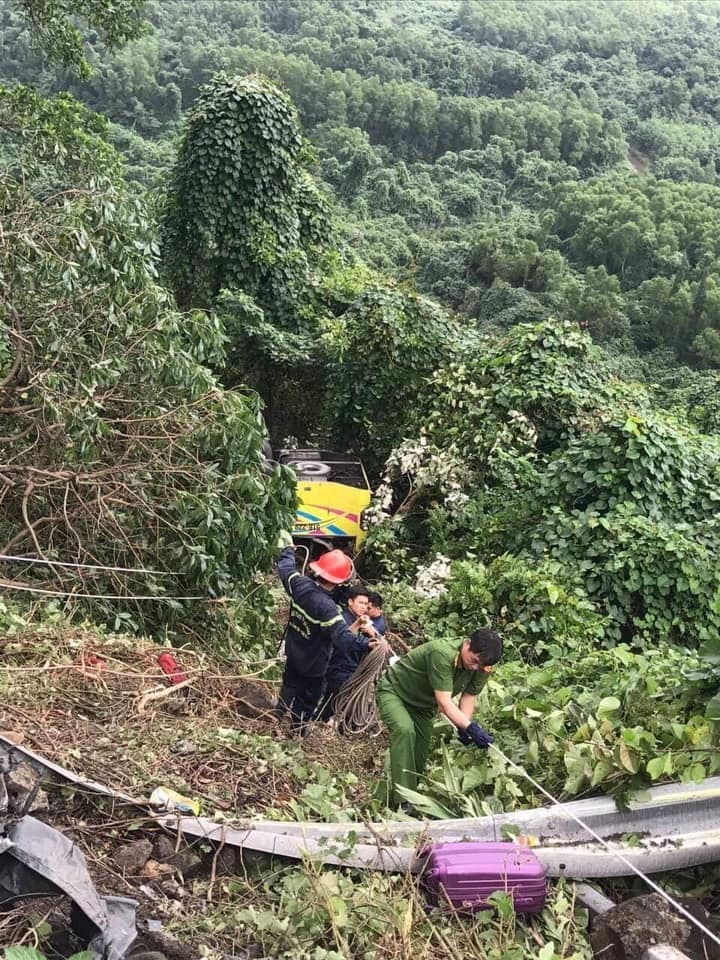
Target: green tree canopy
[(54, 30), (119, 447), (387, 347)]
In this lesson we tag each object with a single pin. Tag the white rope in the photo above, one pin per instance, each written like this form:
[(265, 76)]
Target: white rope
[(631, 866), (101, 596), (87, 566)]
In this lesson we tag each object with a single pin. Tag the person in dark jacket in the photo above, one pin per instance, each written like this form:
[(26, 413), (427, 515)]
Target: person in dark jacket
[(343, 662), (375, 612), (315, 628)]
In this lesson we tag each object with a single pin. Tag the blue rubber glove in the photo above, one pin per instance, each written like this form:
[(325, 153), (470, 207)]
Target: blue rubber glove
[(464, 737), (476, 734)]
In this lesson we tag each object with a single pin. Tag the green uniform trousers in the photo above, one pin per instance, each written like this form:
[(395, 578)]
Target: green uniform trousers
[(410, 733)]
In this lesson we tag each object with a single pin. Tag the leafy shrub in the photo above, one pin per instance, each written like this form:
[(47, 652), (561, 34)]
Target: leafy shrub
[(631, 508), (489, 423), (613, 719), (654, 578), (666, 470), (387, 347), (535, 605), (530, 390)]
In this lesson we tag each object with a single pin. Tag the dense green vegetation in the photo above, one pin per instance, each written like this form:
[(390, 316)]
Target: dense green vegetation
[(547, 497), (569, 497), (476, 243), (514, 159), (120, 449)]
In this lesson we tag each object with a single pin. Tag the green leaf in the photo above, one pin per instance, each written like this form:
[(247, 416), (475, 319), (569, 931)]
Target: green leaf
[(661, 766), (338, 906), (608, 706), (22, 953), (601, 771), (425, 804), (710, 650), (712, 710), (656, 767), (697, 772), (503, 903)]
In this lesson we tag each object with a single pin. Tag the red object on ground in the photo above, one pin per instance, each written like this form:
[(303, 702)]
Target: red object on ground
[(170, 666)]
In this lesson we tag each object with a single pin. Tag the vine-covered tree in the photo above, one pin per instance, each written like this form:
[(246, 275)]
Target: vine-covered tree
[(244, 231), (241, 210)]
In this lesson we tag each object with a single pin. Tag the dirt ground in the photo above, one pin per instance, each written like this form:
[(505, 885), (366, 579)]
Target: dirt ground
[(102, 708)]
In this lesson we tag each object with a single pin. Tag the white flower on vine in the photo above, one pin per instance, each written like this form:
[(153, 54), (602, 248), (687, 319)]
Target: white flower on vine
[(431, 580)]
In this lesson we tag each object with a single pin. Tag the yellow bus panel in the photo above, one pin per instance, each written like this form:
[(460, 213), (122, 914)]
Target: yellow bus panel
[(331, 510)]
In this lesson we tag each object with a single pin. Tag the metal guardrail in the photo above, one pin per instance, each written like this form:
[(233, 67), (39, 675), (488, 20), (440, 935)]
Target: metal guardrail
[(673, 826)]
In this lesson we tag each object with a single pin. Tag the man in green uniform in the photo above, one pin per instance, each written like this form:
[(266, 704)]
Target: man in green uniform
[(409, 694)]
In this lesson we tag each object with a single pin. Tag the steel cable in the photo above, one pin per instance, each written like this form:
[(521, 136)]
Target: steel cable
[(86, 566), (615, 853)]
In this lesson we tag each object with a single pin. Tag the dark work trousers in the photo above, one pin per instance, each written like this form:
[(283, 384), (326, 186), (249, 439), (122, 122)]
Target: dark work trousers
[(300, 695)]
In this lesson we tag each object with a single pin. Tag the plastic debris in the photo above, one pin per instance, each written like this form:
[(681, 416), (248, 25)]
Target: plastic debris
[(163, 798), (170, 666)]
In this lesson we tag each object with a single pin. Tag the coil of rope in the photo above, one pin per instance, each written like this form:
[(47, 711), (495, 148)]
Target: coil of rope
[(355, 710)]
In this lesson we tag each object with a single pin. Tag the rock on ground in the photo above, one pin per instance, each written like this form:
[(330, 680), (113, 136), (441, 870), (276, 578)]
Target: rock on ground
[(627, 930), (132, 857), (20, 783), (185, 860)]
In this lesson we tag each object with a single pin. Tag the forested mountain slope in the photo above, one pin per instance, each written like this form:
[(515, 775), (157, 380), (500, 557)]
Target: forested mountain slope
[(514, 159)]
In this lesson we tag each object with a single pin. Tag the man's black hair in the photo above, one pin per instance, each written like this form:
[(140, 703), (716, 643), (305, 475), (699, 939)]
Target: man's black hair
[(488, 644), (375, 599), (358, 590)]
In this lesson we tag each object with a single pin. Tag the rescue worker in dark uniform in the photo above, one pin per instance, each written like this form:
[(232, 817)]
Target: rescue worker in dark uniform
[(375, 612), (315, 627)]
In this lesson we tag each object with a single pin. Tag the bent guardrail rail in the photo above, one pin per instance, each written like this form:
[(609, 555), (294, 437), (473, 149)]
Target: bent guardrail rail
[(674, 826)]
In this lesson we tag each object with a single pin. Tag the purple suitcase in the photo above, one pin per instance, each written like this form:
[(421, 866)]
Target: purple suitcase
[(466, 874)]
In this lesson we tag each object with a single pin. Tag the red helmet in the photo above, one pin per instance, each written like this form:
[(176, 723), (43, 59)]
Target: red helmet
[(334, 566)]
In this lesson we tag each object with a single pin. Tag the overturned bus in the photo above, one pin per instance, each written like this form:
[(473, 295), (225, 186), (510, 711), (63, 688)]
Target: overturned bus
[(333, 495)]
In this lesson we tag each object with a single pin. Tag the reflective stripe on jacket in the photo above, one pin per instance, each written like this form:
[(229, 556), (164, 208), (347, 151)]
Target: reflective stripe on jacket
[(316, 625)]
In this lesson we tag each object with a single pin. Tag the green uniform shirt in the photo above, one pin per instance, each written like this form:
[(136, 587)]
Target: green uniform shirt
[(432, 666)]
